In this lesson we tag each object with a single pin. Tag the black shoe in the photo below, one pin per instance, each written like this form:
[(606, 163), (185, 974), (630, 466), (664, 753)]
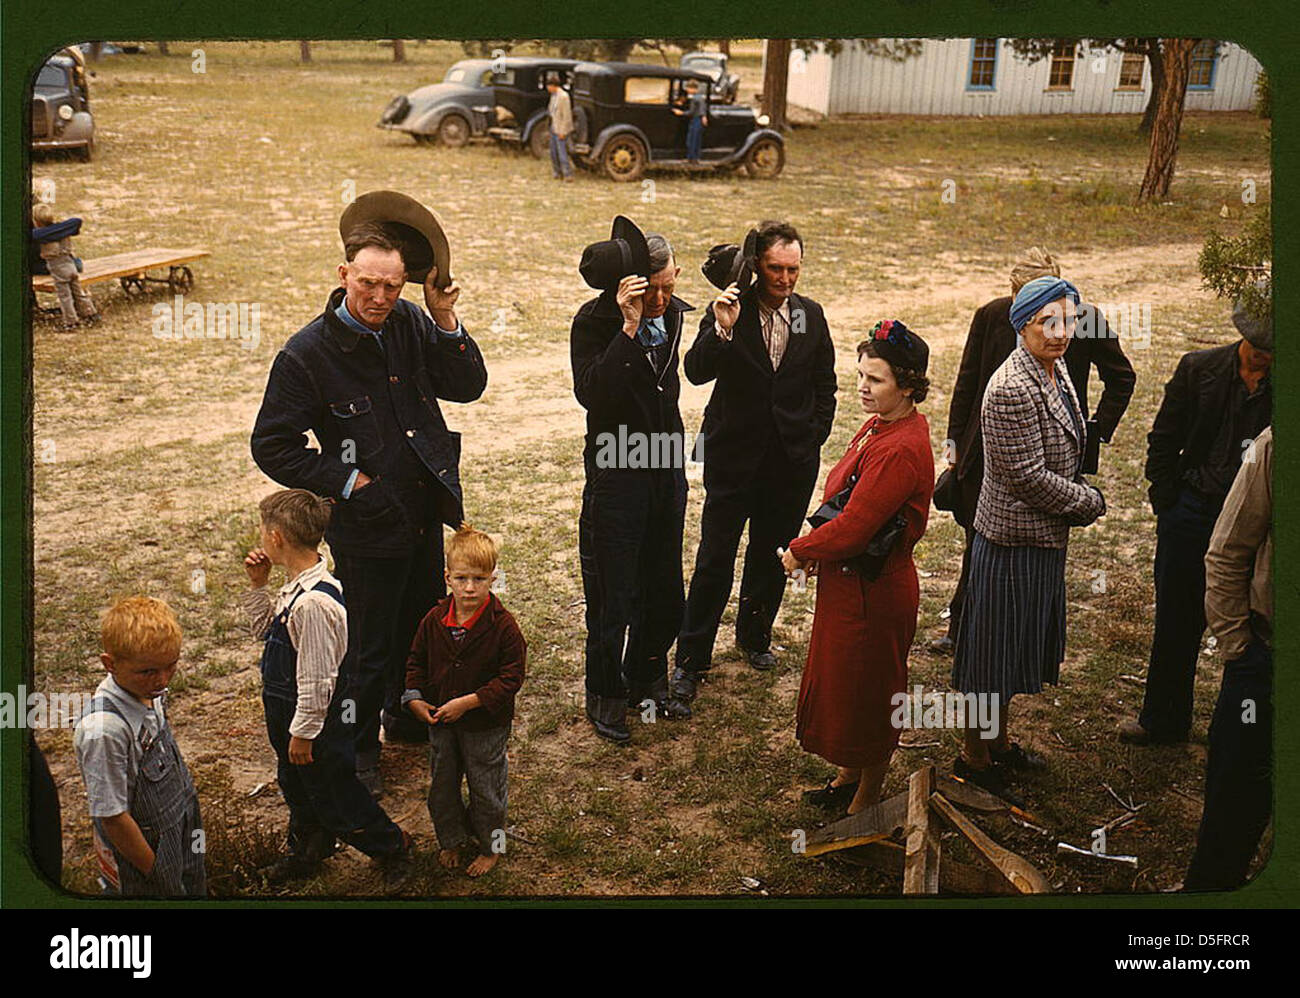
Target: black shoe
[(763, 661), (399, 728), (396, 866), (830, 798), (942, 646), (685, 683), (1017, 759), (991, 778), (608, 715)]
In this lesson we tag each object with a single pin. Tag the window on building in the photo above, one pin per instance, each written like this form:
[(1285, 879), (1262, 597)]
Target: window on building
[(1130, 70), (983, 63), (1204, 57), (1061, 74)]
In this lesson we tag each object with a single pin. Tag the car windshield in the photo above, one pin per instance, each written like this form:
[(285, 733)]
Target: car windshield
[(51, 76)]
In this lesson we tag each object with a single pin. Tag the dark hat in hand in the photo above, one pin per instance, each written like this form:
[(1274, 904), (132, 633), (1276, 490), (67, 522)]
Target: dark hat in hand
[(625, 252), (894, 343), (411, 225), (731, 264)]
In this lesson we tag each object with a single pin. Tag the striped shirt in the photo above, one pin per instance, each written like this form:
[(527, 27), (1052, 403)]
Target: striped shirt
[(775, 324), (318, 630)]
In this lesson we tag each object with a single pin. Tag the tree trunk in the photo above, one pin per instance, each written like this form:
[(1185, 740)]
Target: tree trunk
[(399, 50), (724, 46), (1177, 53), (162, 49), (1157, 63), (304, 51), (96, 51), (776, 76)]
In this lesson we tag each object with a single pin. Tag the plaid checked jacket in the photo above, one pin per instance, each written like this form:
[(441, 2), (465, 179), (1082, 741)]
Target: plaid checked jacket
[(1033, 449)]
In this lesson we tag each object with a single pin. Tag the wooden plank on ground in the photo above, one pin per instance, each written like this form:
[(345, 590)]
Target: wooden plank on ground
[(877, 822), (921, 861), (1017, 870), (954, 877), (967, 794), (131, 264)]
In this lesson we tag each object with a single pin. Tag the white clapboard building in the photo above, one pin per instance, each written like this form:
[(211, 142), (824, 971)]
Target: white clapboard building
[(961, 76)]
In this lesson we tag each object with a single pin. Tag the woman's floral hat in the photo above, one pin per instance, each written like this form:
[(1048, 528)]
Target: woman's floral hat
[(895, 343)]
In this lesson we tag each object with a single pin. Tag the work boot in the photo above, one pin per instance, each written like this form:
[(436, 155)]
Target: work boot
[(991, 778), (763, 661), (608, 716)]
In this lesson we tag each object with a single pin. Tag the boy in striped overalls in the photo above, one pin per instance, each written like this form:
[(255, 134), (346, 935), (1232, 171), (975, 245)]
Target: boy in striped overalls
[(308, 720), (147, 828)]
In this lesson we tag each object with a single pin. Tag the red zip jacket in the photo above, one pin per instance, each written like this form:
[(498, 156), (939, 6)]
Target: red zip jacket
[(488, 661)]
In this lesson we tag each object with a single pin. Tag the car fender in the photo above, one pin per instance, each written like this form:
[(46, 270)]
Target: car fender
[(80, 128), (532, 123), (429, 121), (759, 133), (612, 131)]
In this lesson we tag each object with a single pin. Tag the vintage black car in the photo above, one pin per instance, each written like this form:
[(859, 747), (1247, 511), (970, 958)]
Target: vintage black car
[(714, 64), (519, 90), (450, 112), (61, 117), (624, 122)]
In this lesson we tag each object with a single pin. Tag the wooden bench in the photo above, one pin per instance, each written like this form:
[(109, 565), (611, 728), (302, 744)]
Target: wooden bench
[(131, 270)]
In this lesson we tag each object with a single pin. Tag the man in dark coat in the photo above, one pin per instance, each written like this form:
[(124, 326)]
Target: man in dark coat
[(990, 341), (1217, 402), (772, 407), (365, 376), (624, 350)]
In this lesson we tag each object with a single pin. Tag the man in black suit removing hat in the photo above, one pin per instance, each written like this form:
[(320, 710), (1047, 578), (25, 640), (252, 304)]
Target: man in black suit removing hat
[(623, 348), (773, 403), (365, 376)]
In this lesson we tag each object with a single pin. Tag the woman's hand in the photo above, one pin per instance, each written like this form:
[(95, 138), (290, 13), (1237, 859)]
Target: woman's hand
[(791, 564)]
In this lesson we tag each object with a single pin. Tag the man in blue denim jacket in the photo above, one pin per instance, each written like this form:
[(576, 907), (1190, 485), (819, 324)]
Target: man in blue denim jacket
[(365, 377)]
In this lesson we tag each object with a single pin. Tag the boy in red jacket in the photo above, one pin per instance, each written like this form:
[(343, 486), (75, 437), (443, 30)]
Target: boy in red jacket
[(465, 666)]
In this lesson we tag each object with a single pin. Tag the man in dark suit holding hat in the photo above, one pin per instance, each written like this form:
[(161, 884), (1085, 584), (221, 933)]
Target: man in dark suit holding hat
[(365, 377), (772, 407), (1217, 402), (623, 347)]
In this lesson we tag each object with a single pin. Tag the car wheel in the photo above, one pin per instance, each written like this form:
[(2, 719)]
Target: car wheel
[(87, 151), (624, 158), (766, 158), (453, 132), (539, 143)]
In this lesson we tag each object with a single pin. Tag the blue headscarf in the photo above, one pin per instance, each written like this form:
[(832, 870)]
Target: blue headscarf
[(1037, 293)]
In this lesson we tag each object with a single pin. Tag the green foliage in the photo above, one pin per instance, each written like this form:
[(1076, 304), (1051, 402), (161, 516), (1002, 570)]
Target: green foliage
[(1263, 96), (894, 49), (1231, 267)]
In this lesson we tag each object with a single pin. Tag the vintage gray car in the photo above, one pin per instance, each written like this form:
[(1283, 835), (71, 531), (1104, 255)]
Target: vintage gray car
[(726, 86), (451, 112), (61, 117)]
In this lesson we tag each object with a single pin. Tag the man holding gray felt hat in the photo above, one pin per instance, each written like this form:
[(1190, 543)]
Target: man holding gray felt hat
[(770, 353), (1217, 402), (365, 376), (623, 348)]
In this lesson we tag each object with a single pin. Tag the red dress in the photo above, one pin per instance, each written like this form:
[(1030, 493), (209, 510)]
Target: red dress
[(862, 631)]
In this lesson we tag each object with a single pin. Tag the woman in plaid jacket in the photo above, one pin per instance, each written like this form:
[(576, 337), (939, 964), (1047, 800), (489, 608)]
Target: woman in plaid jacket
[(1011, 638)]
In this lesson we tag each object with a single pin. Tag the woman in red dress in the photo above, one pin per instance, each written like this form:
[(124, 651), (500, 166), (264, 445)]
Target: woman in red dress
[(862, 629)]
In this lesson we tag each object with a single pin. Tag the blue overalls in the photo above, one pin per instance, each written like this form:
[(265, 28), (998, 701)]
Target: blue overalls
[(165, 805), (325, 798)]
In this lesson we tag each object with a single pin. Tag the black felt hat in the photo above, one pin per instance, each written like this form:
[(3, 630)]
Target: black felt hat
[(409, 224), (625, 252), (731, 264)]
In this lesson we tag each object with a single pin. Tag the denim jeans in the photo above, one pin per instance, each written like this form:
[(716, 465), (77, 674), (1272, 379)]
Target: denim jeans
[(560, 165), (694, 139)]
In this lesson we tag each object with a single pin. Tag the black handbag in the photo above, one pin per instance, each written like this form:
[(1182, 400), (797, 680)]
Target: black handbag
[(872, 560)]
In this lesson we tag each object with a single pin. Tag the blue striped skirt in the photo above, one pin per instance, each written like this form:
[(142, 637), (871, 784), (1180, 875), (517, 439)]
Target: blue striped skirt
[(1011, 634)]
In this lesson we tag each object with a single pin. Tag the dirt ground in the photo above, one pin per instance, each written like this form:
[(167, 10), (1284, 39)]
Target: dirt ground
[(153, 482)]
